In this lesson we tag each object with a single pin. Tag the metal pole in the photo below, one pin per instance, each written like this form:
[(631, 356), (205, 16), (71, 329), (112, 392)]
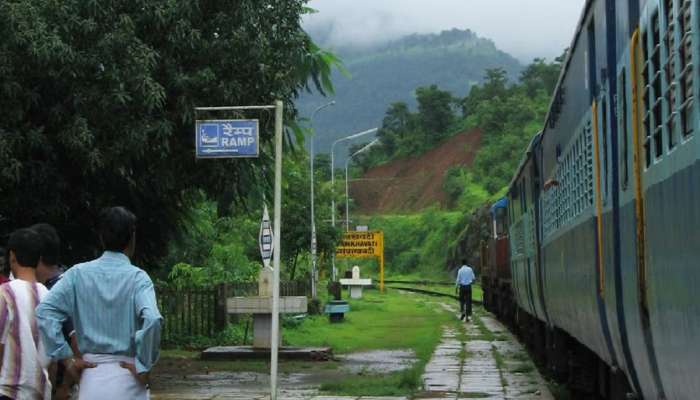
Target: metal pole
[(277, 250), (333, 183), (313, 214), (347, 196), (228, 108), (353, 136), (333, 206)]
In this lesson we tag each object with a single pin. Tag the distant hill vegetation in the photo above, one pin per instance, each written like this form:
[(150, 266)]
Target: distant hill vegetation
[(426, 156), (454, 60)]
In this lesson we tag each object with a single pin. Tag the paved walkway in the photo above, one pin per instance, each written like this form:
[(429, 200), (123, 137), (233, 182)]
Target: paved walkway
[(484, 361)]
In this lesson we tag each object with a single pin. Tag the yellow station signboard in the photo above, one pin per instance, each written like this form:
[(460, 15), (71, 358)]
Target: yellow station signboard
[(359, 244)]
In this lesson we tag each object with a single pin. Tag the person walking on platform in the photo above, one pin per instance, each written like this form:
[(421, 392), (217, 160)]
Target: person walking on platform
[(465, 278), (112, 304)]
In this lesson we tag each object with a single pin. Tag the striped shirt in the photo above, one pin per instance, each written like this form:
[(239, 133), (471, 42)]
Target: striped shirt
[(113, 307), (24, 372)]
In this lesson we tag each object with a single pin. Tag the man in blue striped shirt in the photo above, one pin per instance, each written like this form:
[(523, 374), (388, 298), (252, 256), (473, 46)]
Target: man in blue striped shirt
[(112, 304), (465, 278)]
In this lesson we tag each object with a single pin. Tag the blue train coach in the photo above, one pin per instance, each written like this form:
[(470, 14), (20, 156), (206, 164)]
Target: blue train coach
[(604, 211)]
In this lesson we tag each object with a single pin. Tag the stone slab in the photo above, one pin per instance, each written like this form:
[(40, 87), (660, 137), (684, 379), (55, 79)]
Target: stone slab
[(232, 353), (263, 305), (356, 282)]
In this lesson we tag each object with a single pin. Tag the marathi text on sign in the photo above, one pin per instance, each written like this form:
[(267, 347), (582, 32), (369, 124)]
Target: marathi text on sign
[(227, 138), (361, 244)]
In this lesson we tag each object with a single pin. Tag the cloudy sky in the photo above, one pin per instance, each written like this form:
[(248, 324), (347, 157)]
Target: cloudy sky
[(524, 28)]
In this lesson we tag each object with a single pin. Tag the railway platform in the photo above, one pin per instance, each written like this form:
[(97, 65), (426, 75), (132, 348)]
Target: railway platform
[(479, 359)]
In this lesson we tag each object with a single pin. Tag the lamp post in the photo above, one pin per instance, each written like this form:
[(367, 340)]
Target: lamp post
[(353, 136), (313, 215), (347, 192)]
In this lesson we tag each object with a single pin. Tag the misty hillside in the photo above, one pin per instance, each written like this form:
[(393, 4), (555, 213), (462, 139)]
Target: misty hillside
[(454, 60)]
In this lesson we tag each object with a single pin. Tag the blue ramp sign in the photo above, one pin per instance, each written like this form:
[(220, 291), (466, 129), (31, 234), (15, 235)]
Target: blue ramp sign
[(227, 138)]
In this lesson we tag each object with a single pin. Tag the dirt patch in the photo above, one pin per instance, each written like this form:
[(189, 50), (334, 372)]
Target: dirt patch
[(415, 183), (378, 361)]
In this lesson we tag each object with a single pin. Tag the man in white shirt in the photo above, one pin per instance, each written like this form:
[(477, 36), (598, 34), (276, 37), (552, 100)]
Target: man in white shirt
[(465, 278)]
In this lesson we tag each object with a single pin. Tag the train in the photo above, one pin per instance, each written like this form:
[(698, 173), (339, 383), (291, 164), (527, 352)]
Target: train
[(593, 254)]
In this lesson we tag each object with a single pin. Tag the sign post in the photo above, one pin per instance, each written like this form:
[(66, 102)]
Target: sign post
[(363, 244), (265, 239), (240, 139)]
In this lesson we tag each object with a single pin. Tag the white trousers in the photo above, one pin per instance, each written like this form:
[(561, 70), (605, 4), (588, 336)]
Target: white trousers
[(109, 381)]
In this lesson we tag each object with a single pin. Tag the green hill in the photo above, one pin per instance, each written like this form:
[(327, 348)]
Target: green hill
[(454, 60)]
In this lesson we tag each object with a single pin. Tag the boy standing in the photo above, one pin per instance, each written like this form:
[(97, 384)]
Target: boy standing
[(24, 369)]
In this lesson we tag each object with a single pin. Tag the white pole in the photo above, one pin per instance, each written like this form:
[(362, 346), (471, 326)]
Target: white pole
[(277, 250), (347, 197), (347, 192), (333, 183), (313, 214), (333, 205)]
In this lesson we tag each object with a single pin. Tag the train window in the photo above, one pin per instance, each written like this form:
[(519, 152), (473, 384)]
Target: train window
[(654, 139), (648, 98), (624, 159), (592, 73), (669, 44), (501, 222), (686, 66)]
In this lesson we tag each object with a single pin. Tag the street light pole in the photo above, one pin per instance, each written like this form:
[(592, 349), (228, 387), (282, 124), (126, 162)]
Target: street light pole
[(313, 215), (353, 136), (347, 192)]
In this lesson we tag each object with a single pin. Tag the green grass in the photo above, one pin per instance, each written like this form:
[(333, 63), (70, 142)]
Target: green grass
[(378, 321)]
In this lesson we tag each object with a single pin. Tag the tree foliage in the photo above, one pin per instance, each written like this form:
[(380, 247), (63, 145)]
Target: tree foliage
[(97, 106), (210, 248)]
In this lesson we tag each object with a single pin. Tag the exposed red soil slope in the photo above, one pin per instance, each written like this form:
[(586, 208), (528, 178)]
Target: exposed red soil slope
[(415, 183)]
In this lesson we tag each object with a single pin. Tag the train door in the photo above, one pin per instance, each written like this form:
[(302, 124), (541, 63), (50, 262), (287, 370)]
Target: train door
[(536, 190)]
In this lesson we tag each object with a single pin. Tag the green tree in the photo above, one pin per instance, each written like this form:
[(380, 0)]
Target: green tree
[(540, 75), (435, 112), (97, 106), (495, 85)]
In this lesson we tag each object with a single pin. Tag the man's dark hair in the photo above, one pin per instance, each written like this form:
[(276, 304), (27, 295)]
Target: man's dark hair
[(50, 243), (117, 227), (464, 261), (26, 244), (4, 262)]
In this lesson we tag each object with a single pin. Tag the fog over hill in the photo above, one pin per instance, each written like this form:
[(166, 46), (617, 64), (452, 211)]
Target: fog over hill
[(387, 73)]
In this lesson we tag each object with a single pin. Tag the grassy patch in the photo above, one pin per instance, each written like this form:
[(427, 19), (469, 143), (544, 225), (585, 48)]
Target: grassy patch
[(484, 332), (500, 364), (473, 395), (393, 384), (392, 320), (378, 321), (523, 369)]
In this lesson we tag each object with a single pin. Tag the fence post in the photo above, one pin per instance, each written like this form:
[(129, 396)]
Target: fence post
[(221, 312)]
